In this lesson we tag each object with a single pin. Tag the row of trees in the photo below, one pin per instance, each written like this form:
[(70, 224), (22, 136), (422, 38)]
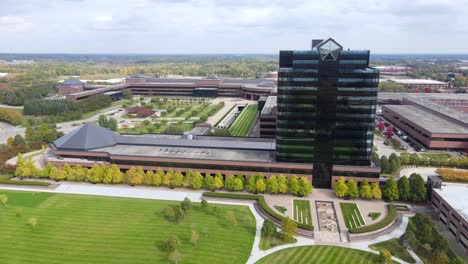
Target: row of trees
[(63, 109), (172, 179), (351, 190), (42, 133), (416, 159), (412, 189)]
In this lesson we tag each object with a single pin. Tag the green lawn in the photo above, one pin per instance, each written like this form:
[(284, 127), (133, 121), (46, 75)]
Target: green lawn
[(92, 229), (241, 127), (302, 211), (320, 255), (352, 216), (395, 248), (274, 241)]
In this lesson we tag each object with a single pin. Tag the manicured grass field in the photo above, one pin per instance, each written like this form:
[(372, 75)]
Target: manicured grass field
[(320, 254), (302, 211), (395, 248), (241, 126), (352, 216), (92, 229), (435, 155)]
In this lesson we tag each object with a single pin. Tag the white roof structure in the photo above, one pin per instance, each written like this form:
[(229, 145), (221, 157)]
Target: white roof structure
[(456, 195), (416, 81)]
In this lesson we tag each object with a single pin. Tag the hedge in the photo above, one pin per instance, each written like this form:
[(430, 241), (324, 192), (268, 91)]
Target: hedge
[(261, 201), (392, 213), (6, 180)]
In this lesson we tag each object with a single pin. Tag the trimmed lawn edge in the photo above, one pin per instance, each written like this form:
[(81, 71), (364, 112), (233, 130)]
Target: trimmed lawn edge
[(392, 214), (261, 201)]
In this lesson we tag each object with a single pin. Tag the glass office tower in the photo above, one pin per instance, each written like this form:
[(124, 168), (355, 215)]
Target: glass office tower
[(326, 107)]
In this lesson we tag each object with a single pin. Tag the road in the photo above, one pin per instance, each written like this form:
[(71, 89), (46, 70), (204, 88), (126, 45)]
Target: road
[(67, 127), (7, 130)]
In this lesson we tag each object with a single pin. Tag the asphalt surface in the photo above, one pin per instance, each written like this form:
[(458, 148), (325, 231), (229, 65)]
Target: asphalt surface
[(7, 130)]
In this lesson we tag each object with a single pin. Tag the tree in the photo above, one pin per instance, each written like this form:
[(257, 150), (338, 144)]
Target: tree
[(352, 189), (294, 185), (408, 239), (29, 133), (252, 184), (177, 179), (230, 182), (117, 175), (179, 214), (32, 222), (457, 260), (112, 124), (417, 189), (414, 159), (386, 256), (186, 205), (389, 132), (218, 181), (204, 204), (18, 140), (231, 218), (440, 257), (288, 229), (390, 191), (173, 242), (268, 228), (381, 126), (384, 164), (197, 182), (134, 176), (282, 185), (10, 141), (376, 192), (238, 185), (405, 158), (365, 191), (194, 238), (209, 182), (404, 188), (103, 121), (4, 199), (272, 185), (174, 256), (260, 185), (305, 187), (341, 189), (393, 166)]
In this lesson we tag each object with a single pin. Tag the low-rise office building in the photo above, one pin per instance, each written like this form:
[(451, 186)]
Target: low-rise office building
[(421, 83), (450, 203), (267, 118), (434, 125), (250, 89), (90, 144)]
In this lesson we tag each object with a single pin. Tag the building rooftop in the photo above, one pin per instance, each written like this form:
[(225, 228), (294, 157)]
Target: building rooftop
[(456, 195), (270, 104), (92, 137), (416, 81), (72, 81), (428, 120)]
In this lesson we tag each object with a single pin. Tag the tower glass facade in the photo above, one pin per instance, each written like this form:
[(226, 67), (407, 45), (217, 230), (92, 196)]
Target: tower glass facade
[(326, 107)]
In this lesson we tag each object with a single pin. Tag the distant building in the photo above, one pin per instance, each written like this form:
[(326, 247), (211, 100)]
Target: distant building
[(450, 203), (393, 69), (71, 85), (268, 118), (435, 123), (421, 83)]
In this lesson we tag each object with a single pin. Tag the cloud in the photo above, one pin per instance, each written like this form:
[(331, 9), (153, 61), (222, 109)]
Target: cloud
[(232, 26)]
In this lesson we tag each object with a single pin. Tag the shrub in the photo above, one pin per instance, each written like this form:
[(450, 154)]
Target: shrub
[(453, 175)]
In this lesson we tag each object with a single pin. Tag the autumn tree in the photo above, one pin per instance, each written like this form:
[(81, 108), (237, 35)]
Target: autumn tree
[(341, 189), (288, 229), (352, 189), (376, 192), (365, 191), (272, 185)]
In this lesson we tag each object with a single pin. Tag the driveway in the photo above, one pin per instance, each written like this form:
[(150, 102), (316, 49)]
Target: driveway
[(7, 130)]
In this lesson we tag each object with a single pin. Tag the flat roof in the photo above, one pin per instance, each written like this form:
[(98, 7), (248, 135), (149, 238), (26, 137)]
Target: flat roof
[(427, 120), (416, 81), (456, 195), (270, 104), (190, 152)]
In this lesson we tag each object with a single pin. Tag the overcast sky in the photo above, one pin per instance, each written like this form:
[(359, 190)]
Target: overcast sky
[(231, 26)]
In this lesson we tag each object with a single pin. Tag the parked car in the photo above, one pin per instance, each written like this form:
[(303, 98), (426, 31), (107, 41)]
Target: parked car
[(403, 147), (422, 149), (386, 143), (405, 138)]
